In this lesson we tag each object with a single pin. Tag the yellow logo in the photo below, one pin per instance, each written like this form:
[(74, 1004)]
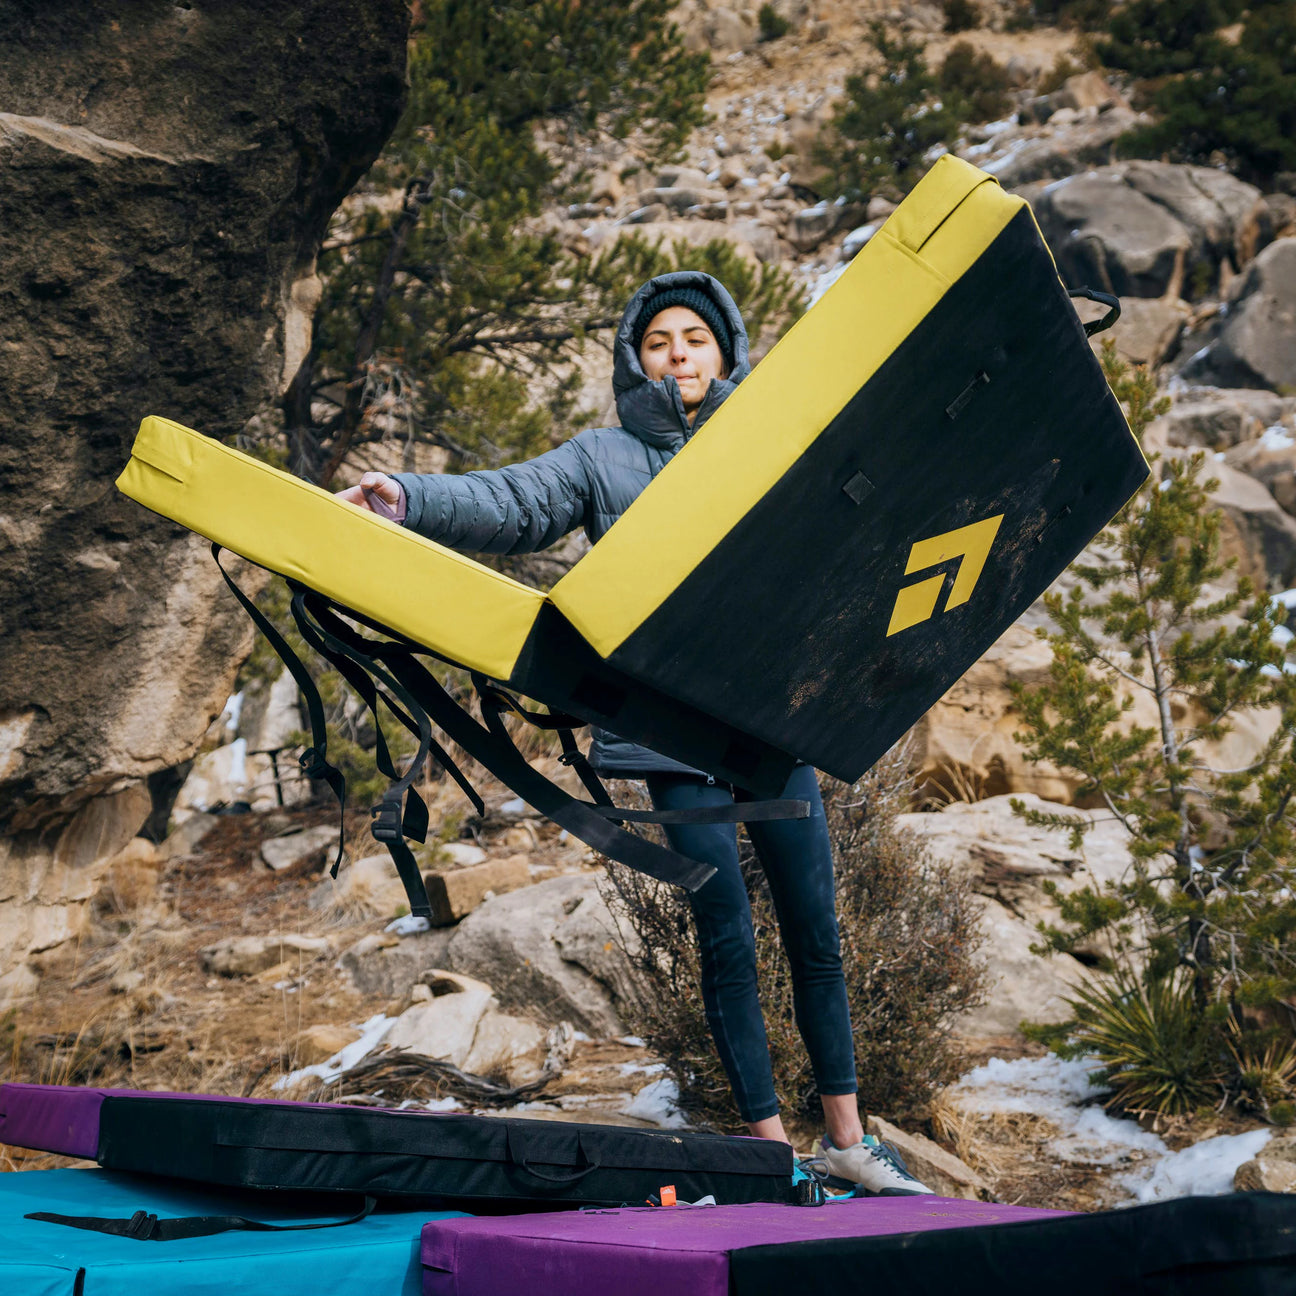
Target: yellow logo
[(916, 603)]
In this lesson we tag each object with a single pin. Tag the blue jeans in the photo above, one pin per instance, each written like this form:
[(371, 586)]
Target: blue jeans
[(796, 856)]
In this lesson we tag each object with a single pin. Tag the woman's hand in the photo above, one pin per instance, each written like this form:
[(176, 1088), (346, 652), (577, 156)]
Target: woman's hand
[(374, 490)]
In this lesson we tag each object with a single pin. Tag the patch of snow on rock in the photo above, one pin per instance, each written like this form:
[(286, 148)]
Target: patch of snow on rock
[(1060, 1092), (656, 1102), (371, 1035)]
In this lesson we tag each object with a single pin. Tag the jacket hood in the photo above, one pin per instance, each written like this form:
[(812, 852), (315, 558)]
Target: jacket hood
[(654, 411)]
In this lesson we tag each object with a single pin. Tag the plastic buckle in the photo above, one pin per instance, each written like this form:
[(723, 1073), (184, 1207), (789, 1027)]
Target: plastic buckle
[(809, 1192), (141, 1225), (312, 764), (570, 757), (387, 817)]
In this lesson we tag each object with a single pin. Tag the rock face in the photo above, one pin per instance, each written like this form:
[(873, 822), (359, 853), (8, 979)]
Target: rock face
[(545, 948), (1150, 229), (1007, 860), (167, 175), (1256, 346)]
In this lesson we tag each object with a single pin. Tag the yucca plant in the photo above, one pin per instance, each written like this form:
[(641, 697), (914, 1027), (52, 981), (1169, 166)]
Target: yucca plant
[(1158, 1050), (1265, 1070)]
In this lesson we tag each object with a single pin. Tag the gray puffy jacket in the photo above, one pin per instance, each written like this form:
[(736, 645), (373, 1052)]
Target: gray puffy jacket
[(587, 482)]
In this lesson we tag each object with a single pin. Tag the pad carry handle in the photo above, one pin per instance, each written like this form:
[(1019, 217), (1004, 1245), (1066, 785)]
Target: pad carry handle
[(521, 1158)]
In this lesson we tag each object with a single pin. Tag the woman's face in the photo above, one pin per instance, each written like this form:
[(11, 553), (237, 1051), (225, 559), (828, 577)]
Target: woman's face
[(679, 343)]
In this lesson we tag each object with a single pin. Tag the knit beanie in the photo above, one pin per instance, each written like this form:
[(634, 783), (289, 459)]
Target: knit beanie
[(700, 303)]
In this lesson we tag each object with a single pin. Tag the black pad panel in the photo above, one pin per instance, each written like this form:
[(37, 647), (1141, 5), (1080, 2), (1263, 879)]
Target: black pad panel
[(994, 406)]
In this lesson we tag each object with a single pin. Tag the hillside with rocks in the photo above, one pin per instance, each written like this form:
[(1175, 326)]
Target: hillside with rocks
[(166, 914)]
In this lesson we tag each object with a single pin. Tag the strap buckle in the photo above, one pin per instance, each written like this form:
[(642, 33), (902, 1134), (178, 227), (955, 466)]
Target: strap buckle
[(141, 1225), (387, 817), (313, 765)]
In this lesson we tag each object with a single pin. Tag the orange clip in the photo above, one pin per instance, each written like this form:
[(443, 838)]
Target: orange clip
[(668, 1195)]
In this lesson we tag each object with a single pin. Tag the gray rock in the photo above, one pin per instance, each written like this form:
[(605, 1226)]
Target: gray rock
[(1254, 529), (1274, 1170), (303, 851), (388, 965), (168, 173), (1106, 235), (763, 239), (678, 200), (1256, 343), (811, 226), (248, 955), (444, 1024), (1221, 418), (682, 177), (1149, 328), (516, 941), (725, 32), (1271, 460), (1052, 157), (646, 215)]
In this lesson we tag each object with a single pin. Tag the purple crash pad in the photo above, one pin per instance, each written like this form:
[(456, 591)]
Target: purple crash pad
[(65, 1118), (641, 1251)]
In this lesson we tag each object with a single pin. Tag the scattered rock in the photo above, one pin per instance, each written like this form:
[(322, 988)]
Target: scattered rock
[(444, 1025), (302, 851), (248, 955), (1219, 418), (1148, 330), (455, 893), (1256, 344), (388, 965), (317, 1044), (1271, 460), (812, 226), (516, 940), (369, 888), (1274, 1170), (879, 209), (678, 200), (461, 854), (1254, 529), (131, 880), (725, 32), (1053, 157), (186, 839), (940, 1170)]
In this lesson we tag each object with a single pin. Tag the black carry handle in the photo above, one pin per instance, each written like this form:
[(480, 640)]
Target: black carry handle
[(519, 1157), (1103, 299)]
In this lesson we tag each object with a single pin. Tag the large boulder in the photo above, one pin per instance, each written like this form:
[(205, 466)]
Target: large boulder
[(1256, 342), (1254, 529), (1150, 229), (1271, 460), (1007, 861), (548, 949), (166, 175)]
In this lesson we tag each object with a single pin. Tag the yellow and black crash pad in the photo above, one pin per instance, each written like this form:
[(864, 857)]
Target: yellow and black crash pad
[(911, 465)]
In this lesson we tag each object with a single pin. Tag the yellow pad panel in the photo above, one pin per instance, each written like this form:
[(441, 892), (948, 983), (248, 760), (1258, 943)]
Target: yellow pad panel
[(798, 389), (437, 597)]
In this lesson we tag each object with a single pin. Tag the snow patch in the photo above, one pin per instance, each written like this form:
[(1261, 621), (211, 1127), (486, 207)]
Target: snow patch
[(1276, 437), (371, 1035), (657, 1102), (1061, 1093)]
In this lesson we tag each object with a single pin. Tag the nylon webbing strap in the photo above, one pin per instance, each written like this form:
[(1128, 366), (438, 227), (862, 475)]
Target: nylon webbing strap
[(314, 760), (144, 1227), (401, 813), (492, 747), (740, 812)]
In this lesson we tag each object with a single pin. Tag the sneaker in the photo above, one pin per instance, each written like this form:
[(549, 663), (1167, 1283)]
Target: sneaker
[(873, 1166)]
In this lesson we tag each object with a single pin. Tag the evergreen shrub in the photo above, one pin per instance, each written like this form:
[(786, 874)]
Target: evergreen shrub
[(910, 936)]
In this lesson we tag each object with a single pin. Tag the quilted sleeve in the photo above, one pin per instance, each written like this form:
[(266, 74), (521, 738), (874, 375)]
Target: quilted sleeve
[(513, 510)]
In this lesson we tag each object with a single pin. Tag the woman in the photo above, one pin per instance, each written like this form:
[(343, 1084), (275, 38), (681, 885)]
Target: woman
[(680, 349)]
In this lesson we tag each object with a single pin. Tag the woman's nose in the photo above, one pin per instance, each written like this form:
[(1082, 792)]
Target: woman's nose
[(679, 352)]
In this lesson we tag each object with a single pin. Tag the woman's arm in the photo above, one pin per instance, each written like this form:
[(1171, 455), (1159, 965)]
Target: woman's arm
[(518, 509)]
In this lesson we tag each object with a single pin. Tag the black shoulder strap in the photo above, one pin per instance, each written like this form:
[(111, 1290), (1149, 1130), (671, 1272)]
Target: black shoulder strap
[(144, 1227)]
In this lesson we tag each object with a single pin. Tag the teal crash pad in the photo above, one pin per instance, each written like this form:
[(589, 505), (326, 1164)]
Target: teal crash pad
[(378, 1256)]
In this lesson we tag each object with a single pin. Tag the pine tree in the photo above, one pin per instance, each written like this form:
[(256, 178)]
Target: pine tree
[(891, 123), (1158, 614), (452, 313)]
